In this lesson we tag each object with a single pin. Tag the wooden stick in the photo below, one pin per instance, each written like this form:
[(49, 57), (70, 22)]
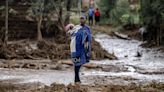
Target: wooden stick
[(87, 65)]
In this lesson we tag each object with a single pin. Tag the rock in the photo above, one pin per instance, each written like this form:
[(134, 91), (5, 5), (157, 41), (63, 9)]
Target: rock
[(139, 54), (126, 56)]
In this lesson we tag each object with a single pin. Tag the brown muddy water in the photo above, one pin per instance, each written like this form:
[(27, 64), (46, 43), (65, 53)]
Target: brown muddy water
[(129, 68)]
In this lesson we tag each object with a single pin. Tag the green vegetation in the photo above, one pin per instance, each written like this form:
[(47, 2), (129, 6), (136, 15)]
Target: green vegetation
[(41, 9), (152, 17), (130, 13), (119, 13), (75, 20)]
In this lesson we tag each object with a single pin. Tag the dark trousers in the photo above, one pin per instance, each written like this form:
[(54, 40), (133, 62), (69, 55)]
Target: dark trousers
[(144, 37), (90, 20), (77, 70), (97, 19)]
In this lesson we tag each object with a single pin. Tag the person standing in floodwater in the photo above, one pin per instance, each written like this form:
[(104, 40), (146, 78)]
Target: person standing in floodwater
[(143, 33), (80, 46)]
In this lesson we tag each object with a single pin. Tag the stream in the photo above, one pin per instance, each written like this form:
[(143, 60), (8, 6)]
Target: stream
[(129, 68)]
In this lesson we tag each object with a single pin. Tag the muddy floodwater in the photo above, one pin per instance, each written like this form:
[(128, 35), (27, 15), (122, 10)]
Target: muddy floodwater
[(129, 68)]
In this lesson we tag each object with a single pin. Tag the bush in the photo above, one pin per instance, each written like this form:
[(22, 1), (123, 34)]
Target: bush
[(121, 13), (106, 6)]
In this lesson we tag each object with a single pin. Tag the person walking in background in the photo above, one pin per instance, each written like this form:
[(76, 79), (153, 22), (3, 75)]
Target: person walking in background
[(91, 15), (97, 16), (80, 45), (143, 33)]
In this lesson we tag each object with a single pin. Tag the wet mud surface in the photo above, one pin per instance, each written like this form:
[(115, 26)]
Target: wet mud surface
[(135, 66)]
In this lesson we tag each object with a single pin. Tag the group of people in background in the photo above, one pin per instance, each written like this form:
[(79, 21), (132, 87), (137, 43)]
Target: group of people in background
[(93, 15)]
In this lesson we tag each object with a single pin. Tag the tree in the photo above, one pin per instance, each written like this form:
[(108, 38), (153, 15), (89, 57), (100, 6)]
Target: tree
[(69, 4), (6, 23), (120, 14), (151, 16), (106, 6), (37, 11), (41, 9)]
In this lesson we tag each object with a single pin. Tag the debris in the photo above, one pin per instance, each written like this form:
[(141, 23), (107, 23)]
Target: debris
[(139, 54), (88, 65), (121, 36), (25, 49)]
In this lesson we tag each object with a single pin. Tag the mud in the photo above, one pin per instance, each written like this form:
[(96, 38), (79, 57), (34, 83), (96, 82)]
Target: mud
[(128, 73), (46, 50), (152, 87), (55, 45)]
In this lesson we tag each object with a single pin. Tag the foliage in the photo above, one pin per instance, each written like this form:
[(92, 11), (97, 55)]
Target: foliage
[(152, 11), (45, 7), (75, 20), (106, 6), (120, 14), (37, 8), (151, 15)]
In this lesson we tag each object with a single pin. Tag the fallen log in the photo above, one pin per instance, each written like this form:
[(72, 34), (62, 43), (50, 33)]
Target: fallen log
[(121, 36), (87, 65)]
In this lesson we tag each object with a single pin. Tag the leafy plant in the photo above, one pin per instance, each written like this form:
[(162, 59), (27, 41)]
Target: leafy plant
[(106, 6), (151, 11), (121, 13)]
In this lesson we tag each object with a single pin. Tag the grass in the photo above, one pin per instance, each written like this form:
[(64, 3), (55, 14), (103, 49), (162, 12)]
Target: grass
[(108, 29), (75, 20), (104, 28)]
